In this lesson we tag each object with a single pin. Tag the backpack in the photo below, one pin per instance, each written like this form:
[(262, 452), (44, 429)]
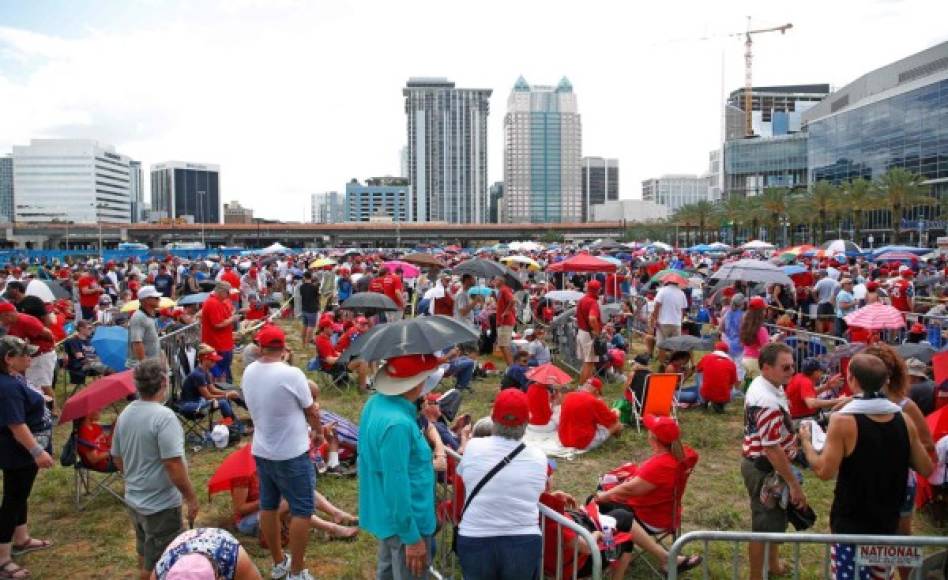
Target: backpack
[(67, 457)]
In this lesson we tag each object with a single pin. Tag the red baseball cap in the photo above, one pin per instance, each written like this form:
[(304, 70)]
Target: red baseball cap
[(729, 291), (433, 397), (756, 303), (593, 286), (918, 328), (326, 322), (908, 274), (271, 336), (510, 408), (7, 307), (872, 286), (596, 384), (665, 429), (721, 346)]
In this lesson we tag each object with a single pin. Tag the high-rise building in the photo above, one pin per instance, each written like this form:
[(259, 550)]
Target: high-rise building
[(380, 199), (774, 110), (187, 190), (327, 208), (77, 180), (403, 160), (542, 154), (447, 151), (136, 190), (6, 189), (674, 191), (234, 213), (715, 175), (600, 181), (753, 165), (496, 195)]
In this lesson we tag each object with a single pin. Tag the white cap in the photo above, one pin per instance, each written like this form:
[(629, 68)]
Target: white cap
[(148, 292), (528, 332)]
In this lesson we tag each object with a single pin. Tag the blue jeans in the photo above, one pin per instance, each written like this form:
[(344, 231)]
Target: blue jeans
[(500, 557), (222, 367), (391, 560), (689, 395), (249, 525), (462, 368), (291, 479)]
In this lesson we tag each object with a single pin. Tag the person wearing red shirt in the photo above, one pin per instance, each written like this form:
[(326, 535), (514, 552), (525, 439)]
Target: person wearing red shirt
[(613, 290), (93, 444), (802, 391), (89, 291), (506, 318), (228, 275), (589, 325), (540, 401), (392, 285), (652, 489), (32, 330), (445, 304), (377, 284), (902, 292), (718, 377), (217, 328), (585, 419), (255, 310), (360, 327), (328, 355)]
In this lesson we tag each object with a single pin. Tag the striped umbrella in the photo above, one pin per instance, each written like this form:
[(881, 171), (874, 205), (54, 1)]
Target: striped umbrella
[(876, 317), (896, 257)]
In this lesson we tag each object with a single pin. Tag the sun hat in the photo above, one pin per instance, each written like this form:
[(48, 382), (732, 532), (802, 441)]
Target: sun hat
[(192, 567), (403, 373), (665, 429), (916, 368), (148, 292), (271, 336), (510, 408), (16, 346)]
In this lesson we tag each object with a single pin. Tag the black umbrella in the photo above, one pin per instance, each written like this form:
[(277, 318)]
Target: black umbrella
[(922, 352), (480, 268), (423, 335), (686, 342), (370, 303)]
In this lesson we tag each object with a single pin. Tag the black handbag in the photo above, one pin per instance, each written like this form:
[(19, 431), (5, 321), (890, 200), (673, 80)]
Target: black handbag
[(600, 346), (480, 484)]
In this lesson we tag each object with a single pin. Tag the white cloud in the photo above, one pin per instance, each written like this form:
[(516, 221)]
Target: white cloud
[(293, 97)]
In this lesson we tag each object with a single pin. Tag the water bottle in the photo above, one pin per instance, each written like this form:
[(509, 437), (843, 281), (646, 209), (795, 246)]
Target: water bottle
[(610, 543)]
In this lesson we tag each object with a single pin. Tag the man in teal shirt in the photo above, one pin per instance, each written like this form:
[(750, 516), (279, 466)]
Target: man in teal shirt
[(396, 476)]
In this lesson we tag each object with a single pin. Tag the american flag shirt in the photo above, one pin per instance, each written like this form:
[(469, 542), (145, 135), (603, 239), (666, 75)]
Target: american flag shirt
[(767, 420)]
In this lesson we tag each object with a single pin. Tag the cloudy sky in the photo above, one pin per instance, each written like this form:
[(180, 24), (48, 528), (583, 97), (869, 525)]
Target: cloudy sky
[(294, 97)]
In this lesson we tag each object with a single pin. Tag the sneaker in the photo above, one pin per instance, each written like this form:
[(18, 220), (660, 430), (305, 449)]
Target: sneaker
[(303, 575), (281, 570)]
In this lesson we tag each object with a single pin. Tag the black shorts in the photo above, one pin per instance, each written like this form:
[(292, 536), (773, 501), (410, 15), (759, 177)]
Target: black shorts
[(825, 309)]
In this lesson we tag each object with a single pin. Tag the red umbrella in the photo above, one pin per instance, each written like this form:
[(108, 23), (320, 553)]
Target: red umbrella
[(938, 423), (238, 465), (98, 395), (583, 263), (549, 374), (876, 316)]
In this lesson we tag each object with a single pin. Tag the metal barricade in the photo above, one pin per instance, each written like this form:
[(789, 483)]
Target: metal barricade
[(806, 344), (564, 338), (736, 539), (445, 563), (171, 345), (935, 327)]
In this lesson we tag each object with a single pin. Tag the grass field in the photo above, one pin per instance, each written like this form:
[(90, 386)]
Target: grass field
[(99, 543)]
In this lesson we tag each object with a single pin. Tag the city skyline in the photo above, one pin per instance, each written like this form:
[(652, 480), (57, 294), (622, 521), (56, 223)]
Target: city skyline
[(280, 134)]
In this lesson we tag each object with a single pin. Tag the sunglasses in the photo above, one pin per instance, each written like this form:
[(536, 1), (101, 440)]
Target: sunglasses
[(786, 368)]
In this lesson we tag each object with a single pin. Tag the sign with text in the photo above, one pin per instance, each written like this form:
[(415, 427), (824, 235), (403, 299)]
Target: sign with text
[(910, 556)]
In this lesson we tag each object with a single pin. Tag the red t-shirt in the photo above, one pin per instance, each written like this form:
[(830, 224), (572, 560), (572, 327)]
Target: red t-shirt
[(505, 309), (392, 286), (325, 349), (718, 376), (586, 307), (668, 476), (346, 339), (87, 300), (93, 438), (798, 390), (216, 311), (30, 329), (252, 484), (580, 414), (258, 313), (612, 285), (900, 293), (444, 305), (377, 285), (133, 286), (538, 402)]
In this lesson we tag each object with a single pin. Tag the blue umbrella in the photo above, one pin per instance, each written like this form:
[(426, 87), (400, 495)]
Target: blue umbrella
[(198, 298), (793, 270), (111, 344), (480, 291)]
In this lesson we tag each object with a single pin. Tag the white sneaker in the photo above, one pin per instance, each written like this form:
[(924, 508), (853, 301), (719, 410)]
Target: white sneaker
[(281, 570), (303, 575)]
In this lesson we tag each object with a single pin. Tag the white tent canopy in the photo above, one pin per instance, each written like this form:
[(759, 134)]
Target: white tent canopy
[(757, 245), (276, 248)]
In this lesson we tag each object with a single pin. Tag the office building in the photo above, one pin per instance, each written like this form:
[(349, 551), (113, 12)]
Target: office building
[(327, 208), (630, 210), (136, 191), (187, 190), (775, 110), (403, 160), (753, 165), (496, 195), (234, 213), (715, 175), (447, 151), (600, 181), (75, 180), (674, 191), (380, 199), (6, 189), (542, 154)]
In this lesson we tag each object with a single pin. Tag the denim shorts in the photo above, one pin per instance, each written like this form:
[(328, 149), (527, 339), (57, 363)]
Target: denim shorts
[(309, 319), (291, 479), (249, 525)]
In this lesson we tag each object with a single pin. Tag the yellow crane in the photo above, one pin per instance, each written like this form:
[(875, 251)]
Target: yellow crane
[(748, 65)]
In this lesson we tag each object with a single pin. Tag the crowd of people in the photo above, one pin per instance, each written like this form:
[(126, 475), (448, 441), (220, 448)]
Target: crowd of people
[(621, 320)]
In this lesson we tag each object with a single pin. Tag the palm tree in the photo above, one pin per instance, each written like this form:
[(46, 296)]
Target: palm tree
[(901, 189), (774, 204), (858, 197), (822, 202), (734, 212), (703, 212), (686, 216)]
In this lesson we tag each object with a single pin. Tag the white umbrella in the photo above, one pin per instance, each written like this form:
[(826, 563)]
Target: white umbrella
[(752, 271), (757, 245), (840, 247), (276, 248), (563, 295), (661, 246), (40, 290)]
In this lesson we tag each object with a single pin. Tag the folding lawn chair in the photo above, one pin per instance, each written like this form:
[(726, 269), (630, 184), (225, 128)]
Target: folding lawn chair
[(89, 482), (326, 378), (658, 397)]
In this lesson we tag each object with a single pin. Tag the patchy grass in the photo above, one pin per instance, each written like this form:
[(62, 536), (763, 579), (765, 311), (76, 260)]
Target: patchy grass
[(98, 542)]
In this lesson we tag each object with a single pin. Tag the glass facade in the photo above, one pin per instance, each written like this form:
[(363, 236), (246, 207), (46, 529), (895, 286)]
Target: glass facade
[(187, 189), (376, 201), (752, 165), (600, 181), (6, 189)]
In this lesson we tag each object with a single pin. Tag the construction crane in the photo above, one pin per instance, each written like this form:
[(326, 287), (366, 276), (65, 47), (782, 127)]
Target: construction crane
[(748, 66)]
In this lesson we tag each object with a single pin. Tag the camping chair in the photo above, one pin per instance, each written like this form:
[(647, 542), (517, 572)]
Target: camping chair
[(89, 482), (192, 415), (326, 378), (658, 397)]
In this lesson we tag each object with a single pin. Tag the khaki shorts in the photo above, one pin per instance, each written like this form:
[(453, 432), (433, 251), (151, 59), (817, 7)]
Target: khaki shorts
[(504, 336), (751, 367), (584, 347), (763, 519), (667, 331), (154, 532)]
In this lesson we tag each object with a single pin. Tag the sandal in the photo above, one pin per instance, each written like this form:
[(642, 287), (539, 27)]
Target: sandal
[(11, 571), (31, 545), (690, 562)]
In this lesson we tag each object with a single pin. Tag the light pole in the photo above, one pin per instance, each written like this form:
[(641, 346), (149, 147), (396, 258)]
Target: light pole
[(201, 195)]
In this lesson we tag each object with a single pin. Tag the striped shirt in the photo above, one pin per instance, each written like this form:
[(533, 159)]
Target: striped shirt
[(767, 420)]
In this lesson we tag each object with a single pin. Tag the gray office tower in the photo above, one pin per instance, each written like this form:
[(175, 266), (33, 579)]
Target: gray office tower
[(447, 151), (6, 189), (600, 183)]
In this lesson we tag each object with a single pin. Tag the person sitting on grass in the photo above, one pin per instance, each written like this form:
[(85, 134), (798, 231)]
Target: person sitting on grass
[(586, 422), (537, 349), (680, 363), (651, 491), (94, 442), (516, 374)]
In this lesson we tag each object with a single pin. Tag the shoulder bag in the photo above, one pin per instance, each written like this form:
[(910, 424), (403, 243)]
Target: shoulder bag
[(480, 484)]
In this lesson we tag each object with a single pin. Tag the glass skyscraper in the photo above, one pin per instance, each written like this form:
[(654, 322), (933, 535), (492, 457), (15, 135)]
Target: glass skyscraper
[(447, 151), (542, 154), (600, 181), (181, 189), (752, 165), (6, 189)]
